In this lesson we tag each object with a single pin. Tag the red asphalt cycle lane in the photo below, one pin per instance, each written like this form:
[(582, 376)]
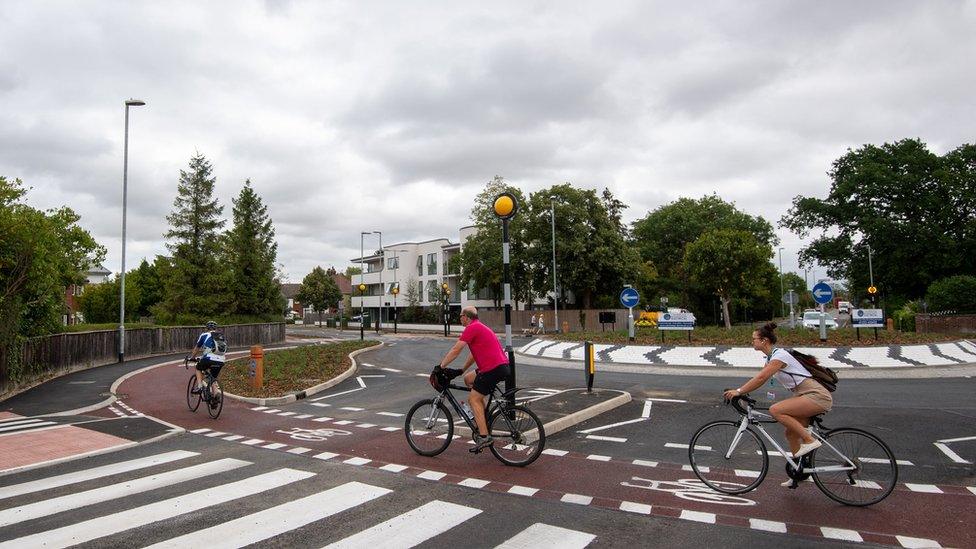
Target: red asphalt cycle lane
[(668, 489)]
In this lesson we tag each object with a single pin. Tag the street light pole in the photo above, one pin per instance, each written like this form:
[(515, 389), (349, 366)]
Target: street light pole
[(125, 192), (382, 289), (870, 271), (555, 291), (505, 208), (781, 289), (362, 284)]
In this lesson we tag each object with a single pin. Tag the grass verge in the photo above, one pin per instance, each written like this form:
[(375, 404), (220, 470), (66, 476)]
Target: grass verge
[(740, 336), (291, 370)]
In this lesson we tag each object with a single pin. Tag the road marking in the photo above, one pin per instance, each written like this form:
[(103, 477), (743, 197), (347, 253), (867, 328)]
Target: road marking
[(252, 441), (602, 427), (667, 400), (701, 468), (233, 438), (272, 411), (644, 463), (608, 439), (522, 490), (281, 518), (299, 450), (577, 499), (390, 414), (286, 414), (632, 507), (767, 525), (840, 533), (554, 452), (544, 535), (322, 419), (303, 416), (646, 412), (26, 426), (362, 385), (972, 489), (390, 429), (394, 468), (947, 451), (366, 425), (90, 474), (324, 456), (883, 461), (746, 473), (368, 365), (215, 434), (698, 516), (274, 446), (357, 461), (474, 483), (926, 488), (394, 370), (596, 457), (114, 491), (432, 475), (411, 528), (352, 409), (199, 431), (345, 422), (7, 422), (963, 439), (685, 446), (321, 404), (906, 541), (100, 527), (259, 408), (79, 382)]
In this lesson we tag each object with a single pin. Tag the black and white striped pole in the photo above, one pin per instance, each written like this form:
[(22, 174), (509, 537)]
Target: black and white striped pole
[(505, 208)]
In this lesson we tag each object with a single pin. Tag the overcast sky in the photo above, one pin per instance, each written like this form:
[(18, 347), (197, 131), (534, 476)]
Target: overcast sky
[(392, 116)]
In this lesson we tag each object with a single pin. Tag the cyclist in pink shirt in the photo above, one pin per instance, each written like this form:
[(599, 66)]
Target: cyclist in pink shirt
[(492, 367)]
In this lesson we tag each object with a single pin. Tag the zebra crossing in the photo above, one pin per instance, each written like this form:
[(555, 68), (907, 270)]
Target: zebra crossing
[(234, 502)]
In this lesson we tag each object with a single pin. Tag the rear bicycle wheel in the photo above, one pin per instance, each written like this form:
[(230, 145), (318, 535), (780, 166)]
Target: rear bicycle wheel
[(519, 438), (216, 402), (875, 471), (429, 428), (192, 400), (727, 461)]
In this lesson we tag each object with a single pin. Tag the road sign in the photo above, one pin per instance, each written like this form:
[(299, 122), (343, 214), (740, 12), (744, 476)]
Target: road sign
[(676, 321), (822, 293), (791, 298), (872, 290), (629, 298), (867, 318)]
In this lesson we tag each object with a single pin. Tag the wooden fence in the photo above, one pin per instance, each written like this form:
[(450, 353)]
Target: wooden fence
[(51, 355), (521, 320), (947, 324)]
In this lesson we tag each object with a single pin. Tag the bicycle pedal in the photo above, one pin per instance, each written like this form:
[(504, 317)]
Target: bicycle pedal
[(476, 450)]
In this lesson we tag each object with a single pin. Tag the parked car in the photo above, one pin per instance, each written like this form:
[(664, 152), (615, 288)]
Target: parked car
[(844, 307), (811, 319)]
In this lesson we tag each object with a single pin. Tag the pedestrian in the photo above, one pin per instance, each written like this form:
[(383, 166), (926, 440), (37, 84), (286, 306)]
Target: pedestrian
[(532, 323), (542, 325)]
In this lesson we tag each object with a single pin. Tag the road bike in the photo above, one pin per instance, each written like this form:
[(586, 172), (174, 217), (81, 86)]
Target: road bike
[(851, 466), (519, 436), (212, 393)]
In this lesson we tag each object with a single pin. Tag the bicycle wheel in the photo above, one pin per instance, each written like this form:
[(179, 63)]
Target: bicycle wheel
[(875, 469), (726, 463), (216, 402), (192, 400), (429, 429), (519, 439)]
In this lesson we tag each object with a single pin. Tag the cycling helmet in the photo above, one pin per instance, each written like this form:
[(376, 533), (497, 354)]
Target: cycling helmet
[(211, 325)]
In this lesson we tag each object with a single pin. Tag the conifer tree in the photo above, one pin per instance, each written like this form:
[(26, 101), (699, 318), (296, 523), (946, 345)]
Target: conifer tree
[(251, 255)]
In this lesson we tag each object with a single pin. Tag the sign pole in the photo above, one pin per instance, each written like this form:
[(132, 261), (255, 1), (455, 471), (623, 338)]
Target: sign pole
[(505, 207)]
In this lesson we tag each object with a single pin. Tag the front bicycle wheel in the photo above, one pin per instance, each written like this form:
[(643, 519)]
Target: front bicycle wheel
[(429, 428), (192, 400), (216, 402), (872, 470), (519, 438), (728, 461)]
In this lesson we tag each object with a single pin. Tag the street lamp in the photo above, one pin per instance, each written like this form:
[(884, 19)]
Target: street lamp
[(125, 190), (505, 208), (396, 286), (362, 284), (445, 296), (555, 292), (871, 274), (382, 268), (781, 290)]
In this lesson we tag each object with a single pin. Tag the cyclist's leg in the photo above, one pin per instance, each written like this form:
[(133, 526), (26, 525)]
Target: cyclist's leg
[(794, 414), (482, 385), (200, 367)]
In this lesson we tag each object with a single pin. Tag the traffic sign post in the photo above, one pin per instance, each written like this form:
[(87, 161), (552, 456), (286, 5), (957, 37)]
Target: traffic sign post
[(791, 298), (630, 298), (822, 294)]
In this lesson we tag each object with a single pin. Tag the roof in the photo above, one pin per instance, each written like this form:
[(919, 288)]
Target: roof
[(289, 291), (343, 282)]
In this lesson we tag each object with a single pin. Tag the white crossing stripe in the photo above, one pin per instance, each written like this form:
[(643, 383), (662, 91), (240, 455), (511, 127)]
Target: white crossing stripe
[(325, 456), (390, 429), (82, 532), (352, 409), (972, 489), (607, 439), (391, 414), (25, 426), (543, 535), (632, 507), (553, 452), (474, 483), (322, 419), (286, 414), (522, 490), (274, 446), (927, 488), (596, 457), (698, 516), (215, 434), (644, 463), (344, 422), (299, 450), (576, 498), (303, 416), (746, 473), (357, 461), (394, 467), (321, 404), (394, 370), (7, 422), (685, 446), (841, 533), (199, 431), (271, 410), (411, 528), (366, 425), (259, 408), (767, 525), (90, 474), (432, 475), (233, 438), (906, 541), (252, 441), (279, 519), (97, 495)]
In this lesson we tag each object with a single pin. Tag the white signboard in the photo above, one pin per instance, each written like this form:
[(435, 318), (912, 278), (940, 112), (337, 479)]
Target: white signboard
[(867, 318), (676, 321)]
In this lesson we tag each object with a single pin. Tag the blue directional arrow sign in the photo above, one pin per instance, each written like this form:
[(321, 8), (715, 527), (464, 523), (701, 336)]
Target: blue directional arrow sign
[(629, 298), (822, 293)]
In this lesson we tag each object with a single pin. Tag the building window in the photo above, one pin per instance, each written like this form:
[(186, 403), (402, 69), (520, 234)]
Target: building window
[(420, 270), (433, 291), (420, 291), (393, 263), (432, 264)]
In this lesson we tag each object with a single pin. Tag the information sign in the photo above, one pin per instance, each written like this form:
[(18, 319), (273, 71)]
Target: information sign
[(867, 318), (676, 321)]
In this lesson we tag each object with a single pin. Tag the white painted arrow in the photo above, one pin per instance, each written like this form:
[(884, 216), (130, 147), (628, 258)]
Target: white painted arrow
[(362, 385)]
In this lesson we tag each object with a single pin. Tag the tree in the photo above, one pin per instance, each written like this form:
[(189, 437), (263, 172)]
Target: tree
[(251, 255), (41, 254), (663, 234), (916, 211), (147, 285), (195, 283), (319, 291), (955, 293), (350, 271), (732, 264)]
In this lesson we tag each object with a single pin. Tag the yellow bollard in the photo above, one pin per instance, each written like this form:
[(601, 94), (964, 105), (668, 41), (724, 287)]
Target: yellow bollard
[(257, 367)]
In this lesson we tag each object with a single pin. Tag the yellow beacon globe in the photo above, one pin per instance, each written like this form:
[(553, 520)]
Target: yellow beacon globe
[(504, 205)]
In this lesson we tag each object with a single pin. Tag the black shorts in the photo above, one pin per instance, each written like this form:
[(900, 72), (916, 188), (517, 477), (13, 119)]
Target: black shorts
[(485, 383), (206, 363)]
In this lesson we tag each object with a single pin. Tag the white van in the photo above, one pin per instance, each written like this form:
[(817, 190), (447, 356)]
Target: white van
[(844, 307)]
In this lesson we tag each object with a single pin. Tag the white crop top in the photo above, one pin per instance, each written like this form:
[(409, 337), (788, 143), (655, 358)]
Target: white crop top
[(799, 373)]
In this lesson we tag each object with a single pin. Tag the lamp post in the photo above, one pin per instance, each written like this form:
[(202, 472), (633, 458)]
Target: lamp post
[(871, 272), (382, 290), (362, 292), (781, 289), (125, 191), (396, 287), (555, 291), (505, 208), (362, 284), (445, 298)]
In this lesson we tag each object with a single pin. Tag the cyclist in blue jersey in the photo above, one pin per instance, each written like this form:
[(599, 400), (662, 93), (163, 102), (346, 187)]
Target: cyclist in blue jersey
[(211, 347)]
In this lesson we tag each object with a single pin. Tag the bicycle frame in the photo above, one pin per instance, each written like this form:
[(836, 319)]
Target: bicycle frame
[(490, 405), (757, 418)]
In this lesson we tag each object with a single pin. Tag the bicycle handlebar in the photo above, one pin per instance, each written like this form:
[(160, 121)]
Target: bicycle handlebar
[(736, 403)]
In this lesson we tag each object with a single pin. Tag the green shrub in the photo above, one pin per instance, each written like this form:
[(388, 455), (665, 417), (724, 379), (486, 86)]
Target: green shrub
[(956, 293)]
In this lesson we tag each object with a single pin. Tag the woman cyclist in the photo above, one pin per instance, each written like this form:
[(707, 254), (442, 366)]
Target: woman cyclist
[(810, 397)]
